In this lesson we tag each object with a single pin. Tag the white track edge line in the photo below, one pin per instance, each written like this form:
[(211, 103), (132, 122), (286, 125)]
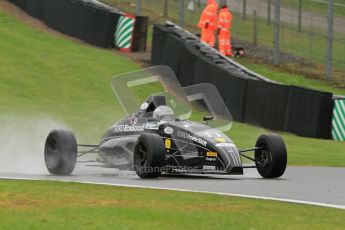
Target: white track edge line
[(187, 190)]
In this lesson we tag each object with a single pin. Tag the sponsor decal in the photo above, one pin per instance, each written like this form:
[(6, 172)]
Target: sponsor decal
[(210, 159), (167, 143), (220, 139), (198, 140), (128, 128), (168, 130), (151, 126), (119, 161), (211, 154), (225, 145), (209, 167)]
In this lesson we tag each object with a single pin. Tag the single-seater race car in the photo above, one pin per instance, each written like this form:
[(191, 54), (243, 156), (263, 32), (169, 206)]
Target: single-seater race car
[(168, 129)]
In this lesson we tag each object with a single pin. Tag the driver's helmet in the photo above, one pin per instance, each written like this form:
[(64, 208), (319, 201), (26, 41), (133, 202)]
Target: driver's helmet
[(164, 113)]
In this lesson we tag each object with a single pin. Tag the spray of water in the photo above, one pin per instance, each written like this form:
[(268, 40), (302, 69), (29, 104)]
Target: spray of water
[(22, 143)]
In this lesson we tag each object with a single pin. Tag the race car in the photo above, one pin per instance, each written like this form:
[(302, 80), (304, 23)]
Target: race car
[(173, 130)]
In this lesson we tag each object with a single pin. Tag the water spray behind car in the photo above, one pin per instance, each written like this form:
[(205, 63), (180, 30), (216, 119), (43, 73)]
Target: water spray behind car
[(22, 142)]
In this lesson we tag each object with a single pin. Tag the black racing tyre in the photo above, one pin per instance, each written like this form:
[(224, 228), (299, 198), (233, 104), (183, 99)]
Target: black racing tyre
[(60, 152), (271, 160), (149, 155)]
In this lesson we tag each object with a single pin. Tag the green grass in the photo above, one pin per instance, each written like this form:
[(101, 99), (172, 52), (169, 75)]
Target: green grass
[(301, 151), (309, 44), (319, 7), (60, 205), (290, 78), (44, 74), (41, 74)]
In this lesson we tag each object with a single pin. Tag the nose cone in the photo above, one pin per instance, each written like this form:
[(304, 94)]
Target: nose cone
[(230, 157)]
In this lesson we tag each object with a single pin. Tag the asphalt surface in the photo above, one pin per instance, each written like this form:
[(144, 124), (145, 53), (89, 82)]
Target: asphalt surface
[(321, 185)]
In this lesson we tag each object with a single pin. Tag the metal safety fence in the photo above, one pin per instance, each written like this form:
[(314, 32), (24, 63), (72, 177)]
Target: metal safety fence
[(304, 44)]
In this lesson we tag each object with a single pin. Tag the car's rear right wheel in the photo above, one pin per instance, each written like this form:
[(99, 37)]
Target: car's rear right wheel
[(149, 155)]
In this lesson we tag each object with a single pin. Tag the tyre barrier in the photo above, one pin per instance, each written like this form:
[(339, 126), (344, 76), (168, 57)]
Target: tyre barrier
[(20, 3), (88, 20), (309, 112), (36, 8), (265, 104), (140, 34), (250, 97)]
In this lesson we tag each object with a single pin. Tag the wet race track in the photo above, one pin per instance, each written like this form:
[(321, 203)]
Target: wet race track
[(324, 186)]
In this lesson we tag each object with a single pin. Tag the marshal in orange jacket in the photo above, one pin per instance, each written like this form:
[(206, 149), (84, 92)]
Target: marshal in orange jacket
[(224, 34), (208, 22)]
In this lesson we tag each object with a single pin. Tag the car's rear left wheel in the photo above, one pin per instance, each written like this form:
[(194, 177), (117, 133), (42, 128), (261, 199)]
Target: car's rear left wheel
[(60, 152)]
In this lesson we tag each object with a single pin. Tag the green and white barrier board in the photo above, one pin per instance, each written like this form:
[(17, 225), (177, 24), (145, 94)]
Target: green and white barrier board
[(124, 32), (338, 121)]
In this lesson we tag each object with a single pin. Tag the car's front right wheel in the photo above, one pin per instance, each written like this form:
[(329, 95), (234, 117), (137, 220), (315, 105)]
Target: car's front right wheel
[(149, 155), (271, 157)]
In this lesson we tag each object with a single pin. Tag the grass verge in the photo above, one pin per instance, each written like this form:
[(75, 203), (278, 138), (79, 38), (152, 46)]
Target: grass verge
[(59, 205), (44, 74)]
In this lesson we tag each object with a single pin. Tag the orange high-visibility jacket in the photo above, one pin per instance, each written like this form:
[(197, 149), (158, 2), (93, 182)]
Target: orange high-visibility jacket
[(224, 19), (209, 16)]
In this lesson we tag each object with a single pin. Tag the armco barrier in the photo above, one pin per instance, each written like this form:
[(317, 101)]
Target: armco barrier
[(278, 107), (309, 112)]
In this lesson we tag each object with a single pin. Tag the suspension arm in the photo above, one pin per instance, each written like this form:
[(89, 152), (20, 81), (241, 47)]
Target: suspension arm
[(94, 149), (249, 150), (252, 159)]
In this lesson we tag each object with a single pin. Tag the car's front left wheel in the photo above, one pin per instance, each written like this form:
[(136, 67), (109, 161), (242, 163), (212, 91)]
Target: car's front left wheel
[(149, 155)]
